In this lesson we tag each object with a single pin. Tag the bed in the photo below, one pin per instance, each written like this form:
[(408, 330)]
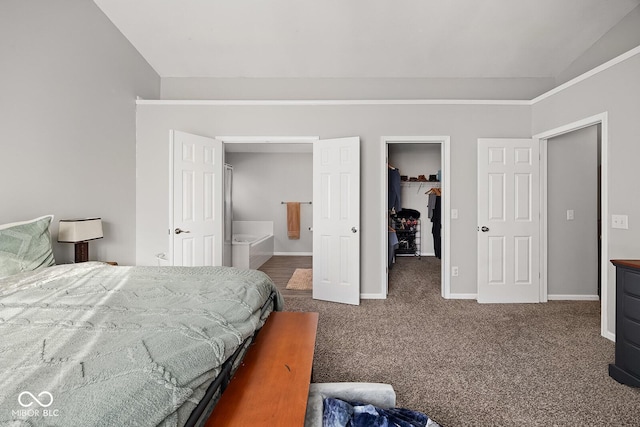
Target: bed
[(93, 344)]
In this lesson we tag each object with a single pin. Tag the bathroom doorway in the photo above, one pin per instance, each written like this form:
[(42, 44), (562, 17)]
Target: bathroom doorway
[(268, 173)]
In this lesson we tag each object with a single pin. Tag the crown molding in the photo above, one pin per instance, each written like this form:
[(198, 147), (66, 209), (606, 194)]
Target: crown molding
[(329, 102)]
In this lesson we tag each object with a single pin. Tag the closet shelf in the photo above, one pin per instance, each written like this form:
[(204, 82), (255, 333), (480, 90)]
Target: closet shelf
[(430, 184)]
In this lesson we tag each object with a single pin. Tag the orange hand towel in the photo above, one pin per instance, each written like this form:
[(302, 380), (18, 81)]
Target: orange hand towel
[(293, 220)]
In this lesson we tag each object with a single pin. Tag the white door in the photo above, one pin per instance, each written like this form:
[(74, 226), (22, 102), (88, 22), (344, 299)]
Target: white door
[(508, 220), (336, 220), (196, 202)]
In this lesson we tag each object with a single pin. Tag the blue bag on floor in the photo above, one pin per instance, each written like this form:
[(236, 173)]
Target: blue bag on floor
[(338, 413)]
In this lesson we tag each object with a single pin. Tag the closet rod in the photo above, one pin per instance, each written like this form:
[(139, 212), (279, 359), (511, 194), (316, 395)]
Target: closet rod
[(302, 203)]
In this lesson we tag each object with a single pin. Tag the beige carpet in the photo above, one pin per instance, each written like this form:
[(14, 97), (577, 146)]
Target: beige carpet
[(470, 364), (301, 280)]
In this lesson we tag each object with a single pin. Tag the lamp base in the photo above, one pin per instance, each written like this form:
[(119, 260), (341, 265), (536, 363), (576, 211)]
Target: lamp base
[(82, 252)]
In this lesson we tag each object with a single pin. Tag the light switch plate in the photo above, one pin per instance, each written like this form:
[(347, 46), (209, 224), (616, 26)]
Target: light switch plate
[(620, 221), (454, 213), (570, 215)]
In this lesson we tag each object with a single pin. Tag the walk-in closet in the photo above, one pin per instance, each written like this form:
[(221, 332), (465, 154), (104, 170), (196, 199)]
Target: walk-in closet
[(414, 202)]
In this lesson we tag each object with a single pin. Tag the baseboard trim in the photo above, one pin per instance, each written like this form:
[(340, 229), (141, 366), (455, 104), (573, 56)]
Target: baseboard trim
[(372, 296), (293, 253), (562, 297), (463, 296), (610, 336)]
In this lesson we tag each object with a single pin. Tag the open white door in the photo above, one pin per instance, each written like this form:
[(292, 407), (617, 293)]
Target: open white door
[(508, 220), (196, 201), (336, 220)]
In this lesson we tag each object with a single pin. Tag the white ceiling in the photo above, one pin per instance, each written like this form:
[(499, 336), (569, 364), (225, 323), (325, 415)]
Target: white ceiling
[(363, 38)]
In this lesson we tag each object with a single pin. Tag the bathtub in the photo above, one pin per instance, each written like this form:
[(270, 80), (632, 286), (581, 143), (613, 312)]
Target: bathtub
[(251, 251)]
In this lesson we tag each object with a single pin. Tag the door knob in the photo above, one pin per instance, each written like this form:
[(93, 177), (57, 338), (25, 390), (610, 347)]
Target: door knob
[(484, 229), (354, 230), (179, 230)]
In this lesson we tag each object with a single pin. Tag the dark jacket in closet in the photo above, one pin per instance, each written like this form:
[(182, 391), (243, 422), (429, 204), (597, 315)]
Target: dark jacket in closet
[(394, 190)]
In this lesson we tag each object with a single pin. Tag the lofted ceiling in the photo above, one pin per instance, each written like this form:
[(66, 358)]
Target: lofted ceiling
[(363, 38)]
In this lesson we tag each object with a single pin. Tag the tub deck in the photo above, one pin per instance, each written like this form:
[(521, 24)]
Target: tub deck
[(249, 251)]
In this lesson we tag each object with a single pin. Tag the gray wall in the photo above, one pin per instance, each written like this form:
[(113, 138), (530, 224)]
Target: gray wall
[(572, 171), (621, 38), (617, 92), (463, 123), (343, 88), (261, 181), (67, 109)]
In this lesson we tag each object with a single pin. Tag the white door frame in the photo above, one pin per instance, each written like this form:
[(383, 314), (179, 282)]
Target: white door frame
[(267, 139), (445, 156), (543, 137)]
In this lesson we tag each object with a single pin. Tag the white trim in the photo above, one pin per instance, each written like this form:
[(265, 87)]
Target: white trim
[(559, 297), (324, 102), (603, 120), (446, 225), (544, 259), (463, 296), (373, 296), (610, 336), (327, 102), (445, 162), (171, 219), (577, 125), (268, 139), (293, 253), (618, 59)]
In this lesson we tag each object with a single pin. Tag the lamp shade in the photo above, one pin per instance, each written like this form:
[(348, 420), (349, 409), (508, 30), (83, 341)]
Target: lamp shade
[(79, 230)]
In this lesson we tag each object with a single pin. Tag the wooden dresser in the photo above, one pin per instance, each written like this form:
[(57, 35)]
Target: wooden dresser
[(626, 368)]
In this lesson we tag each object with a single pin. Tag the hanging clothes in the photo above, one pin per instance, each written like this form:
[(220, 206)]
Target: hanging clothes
[(435, 215), (431, 204), (394, 190)]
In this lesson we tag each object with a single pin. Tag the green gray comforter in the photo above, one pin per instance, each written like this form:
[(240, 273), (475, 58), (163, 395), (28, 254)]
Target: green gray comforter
[(94, 345)]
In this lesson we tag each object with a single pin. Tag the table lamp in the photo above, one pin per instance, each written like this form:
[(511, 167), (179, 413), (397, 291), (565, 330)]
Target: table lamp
[(80, 231)]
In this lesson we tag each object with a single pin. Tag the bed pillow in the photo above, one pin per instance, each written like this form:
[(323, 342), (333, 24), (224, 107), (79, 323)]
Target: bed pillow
[(25, 246)]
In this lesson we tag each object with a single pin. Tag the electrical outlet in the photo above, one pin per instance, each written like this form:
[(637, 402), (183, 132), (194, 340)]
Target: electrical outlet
[(454, 271), (620, 221)]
